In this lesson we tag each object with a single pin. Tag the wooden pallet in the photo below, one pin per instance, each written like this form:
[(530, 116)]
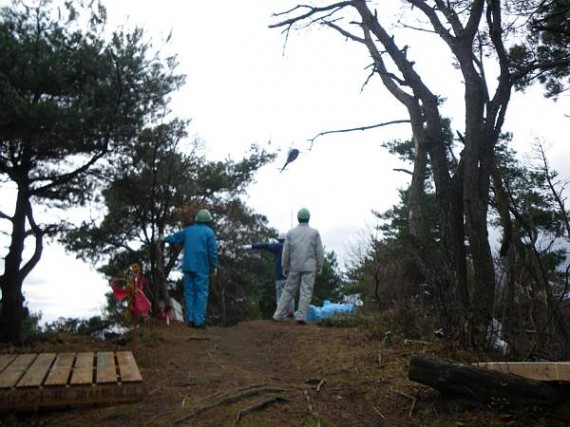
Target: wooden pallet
[(32, 381)]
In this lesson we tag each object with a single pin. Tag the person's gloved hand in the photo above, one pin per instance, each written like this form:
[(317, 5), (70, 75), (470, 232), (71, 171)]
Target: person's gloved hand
[(246, 246)]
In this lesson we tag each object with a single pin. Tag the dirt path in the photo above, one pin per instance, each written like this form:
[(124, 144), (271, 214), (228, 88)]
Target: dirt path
[(274, 373), (264, 373)]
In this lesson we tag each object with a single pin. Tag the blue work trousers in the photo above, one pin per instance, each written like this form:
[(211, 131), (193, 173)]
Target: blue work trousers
[(196, 286)]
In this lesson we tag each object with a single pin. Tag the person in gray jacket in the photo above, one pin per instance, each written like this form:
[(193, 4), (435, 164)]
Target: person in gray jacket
[(301, 261)]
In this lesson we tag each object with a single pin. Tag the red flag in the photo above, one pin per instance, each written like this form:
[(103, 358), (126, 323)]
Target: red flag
[(118, 292)]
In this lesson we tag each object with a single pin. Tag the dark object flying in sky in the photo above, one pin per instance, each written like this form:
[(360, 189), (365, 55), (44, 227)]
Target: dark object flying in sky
[(293, 153)]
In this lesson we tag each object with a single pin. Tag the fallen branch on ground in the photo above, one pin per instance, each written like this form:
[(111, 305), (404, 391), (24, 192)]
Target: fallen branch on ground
[(256, 407), (228, 400)]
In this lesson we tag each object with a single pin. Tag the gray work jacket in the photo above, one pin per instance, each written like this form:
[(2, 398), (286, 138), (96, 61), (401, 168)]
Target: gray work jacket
[(303, 250)]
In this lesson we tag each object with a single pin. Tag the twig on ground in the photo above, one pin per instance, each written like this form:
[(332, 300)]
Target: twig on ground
[(195, 338), (249, 387), (408, 341), (306, 393), (256, 407), (320, 385), (410, 412), (378, 412), (313, 413), (228, 400)]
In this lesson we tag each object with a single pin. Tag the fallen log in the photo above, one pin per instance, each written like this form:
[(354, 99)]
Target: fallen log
[(484, 385)]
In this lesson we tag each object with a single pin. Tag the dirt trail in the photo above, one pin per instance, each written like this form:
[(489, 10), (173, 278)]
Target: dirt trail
[(264, 373)]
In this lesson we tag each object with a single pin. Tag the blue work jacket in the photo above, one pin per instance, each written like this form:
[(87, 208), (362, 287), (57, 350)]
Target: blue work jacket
[(200, 247)]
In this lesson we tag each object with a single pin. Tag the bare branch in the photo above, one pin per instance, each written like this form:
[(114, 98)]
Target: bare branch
[(345, 33), (307, 13), (556, 194), (403, 170), (311, 12), (5, 216), (434, 20), (361, 128), (368, 78)]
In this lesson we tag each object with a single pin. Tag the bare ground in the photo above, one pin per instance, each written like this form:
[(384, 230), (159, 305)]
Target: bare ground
[(264, 373)]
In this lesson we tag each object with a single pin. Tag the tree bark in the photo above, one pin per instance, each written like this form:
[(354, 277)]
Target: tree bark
[(160, 287), (13, 312)]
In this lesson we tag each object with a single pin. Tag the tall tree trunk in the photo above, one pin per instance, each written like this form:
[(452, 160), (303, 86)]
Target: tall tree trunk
[(448, 274), (160, 288), (508, 257), (476, 201), (13, 312)]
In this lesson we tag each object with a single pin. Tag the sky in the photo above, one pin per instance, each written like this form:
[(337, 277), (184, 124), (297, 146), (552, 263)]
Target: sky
[(245, 86)]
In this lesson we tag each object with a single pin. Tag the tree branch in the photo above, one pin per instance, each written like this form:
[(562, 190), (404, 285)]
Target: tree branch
[(5, 216), (360, 128), (38, 249), (312, 11)]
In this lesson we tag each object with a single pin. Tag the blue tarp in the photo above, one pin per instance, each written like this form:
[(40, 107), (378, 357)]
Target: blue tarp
[(329, 309)]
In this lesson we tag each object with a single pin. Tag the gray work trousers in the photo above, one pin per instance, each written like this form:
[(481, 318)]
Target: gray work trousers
[(302, 281), (279, 287)]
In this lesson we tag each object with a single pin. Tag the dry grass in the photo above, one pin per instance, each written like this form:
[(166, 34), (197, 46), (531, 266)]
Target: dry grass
[(276, 374)]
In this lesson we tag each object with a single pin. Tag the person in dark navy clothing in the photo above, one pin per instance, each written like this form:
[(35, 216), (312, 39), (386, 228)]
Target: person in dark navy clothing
[(276, 249)]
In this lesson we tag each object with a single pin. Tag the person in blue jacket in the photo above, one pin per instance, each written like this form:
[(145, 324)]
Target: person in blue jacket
[(200, 258), (276, 249)]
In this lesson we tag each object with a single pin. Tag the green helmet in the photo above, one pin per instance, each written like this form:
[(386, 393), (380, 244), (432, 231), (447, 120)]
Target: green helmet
[(303, 214), (203, 215)]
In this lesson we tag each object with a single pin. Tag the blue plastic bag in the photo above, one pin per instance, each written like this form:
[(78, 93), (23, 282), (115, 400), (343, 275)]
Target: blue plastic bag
[(329, 309)]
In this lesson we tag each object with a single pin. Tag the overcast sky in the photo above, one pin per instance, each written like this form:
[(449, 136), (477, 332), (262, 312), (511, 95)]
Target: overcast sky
[(244, 87)]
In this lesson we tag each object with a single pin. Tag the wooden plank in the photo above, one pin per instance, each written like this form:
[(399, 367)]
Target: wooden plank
[(37, 371), (60, 396), (70, 379), (83, 369), (10, 376), (106, 369), (60, 372), (92, 395), (542, 371), (5, 360), (128, 369)]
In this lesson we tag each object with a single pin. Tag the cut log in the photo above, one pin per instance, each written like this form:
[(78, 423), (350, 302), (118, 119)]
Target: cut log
[(482, 384)]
